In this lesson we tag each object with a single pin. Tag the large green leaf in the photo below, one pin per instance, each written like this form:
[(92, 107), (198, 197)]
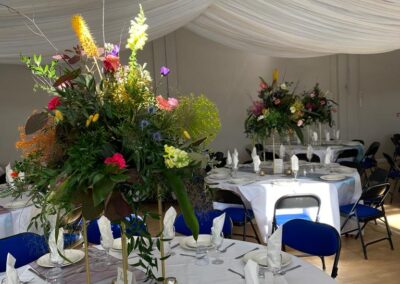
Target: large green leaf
[(102, 189), (177, 185)]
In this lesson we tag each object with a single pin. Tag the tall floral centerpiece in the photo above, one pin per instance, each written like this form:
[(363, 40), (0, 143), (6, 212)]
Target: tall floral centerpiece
[(318, 108), (278, 110), (106, 142)]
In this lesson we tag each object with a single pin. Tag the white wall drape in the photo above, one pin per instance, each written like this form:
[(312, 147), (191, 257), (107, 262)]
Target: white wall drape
[(282, 28)]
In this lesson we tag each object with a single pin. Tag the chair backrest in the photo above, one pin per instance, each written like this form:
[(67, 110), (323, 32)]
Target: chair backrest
[(229, 197), (303, 157), (359, 140), (346, 154), (377, 193), (269, 156), (205, 220), (396, 139), (372, 150), (25, 247), (378, 176), (313, 238), (391, 162)]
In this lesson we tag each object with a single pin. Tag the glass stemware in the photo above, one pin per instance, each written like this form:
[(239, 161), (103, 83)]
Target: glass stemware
[(217, 242), (167, 239), (103, 259), (55, 275)]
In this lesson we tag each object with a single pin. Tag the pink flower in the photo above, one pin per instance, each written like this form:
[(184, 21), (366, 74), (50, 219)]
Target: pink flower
[(53, 103), (111, 63), (117, 160), (322, 102), (166, 104), (277, 101), (173, 102), (263, 85), (300, 123), (312, 94), (257, 108)]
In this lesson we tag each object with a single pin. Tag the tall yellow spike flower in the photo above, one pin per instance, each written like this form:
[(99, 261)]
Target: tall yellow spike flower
[(275, 75), (84, 36)]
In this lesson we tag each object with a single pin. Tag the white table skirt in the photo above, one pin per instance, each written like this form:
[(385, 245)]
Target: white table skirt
[(185, 270), (15, 221), (262, 196), (320, 151)]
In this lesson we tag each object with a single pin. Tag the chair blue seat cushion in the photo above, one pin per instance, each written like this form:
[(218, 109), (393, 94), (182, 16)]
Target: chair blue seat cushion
[(237, 214), (368, 163), (283, 218), (205, 220), (363, 211)]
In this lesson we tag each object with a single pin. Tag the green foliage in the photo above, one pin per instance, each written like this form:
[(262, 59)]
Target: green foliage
[(44, 75)]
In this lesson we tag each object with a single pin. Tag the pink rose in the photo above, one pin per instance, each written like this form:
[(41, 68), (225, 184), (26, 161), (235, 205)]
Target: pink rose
[(263, 85), (300, 123), (53, 103), (277, 101), (111, 63), (257, 108), (117, 160), (166, 104)]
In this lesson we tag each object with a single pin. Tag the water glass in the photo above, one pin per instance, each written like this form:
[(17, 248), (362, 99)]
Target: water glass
[(201, 255), (217, 242), (167, 239), (55, 275)]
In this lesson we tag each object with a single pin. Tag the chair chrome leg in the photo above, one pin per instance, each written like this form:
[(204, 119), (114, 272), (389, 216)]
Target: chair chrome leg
[(389, 232), (362, 240)]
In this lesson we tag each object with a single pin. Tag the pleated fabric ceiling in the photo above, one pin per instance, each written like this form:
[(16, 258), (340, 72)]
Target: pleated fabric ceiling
[(281, 28)]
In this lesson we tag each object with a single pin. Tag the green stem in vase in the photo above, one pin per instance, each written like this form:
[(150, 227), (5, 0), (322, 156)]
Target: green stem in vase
[(87, 266), (124, 253)]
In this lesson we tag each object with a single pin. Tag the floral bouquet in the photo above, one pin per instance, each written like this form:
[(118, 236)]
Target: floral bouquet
[(278, 109), (106, 142), (318, 108)]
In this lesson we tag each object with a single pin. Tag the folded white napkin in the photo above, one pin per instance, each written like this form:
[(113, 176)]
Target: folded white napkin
[(253, 153), (277, 279), (107, 238), (9, 171), (169, 220), (294, 163), (56, 246), (251, 272), (274, 247), (282, 150), (310, 151), (337, 134), (328, 156), (235, 159), (327, 136), (216, 229), (11, 272), (256, 163), (315, 136), (228, 158)]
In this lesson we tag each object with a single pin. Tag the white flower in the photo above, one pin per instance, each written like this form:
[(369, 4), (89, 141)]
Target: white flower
[(260, 117), (283, 86), (292, 109)]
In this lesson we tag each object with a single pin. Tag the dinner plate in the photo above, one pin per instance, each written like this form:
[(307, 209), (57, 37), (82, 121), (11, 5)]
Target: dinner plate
[(344, 170), (190, 244), (117, 244), (332, 177), (218, 176), (239, 180), (260, 257), (73, 255), (17, 204)]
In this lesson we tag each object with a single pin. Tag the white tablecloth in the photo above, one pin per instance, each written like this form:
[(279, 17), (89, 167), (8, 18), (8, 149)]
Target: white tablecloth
[(320, 151), (263, 194), (185, 270), (15, 221)]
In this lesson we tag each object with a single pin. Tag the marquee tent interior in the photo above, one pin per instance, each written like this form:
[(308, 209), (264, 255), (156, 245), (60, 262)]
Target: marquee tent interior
[(220, 48)]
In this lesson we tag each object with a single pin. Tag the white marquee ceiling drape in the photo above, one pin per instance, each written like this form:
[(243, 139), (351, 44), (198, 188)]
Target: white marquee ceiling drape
[(283, 28)]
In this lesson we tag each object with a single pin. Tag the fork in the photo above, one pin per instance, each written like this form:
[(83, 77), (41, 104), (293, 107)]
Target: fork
[(226, 248)]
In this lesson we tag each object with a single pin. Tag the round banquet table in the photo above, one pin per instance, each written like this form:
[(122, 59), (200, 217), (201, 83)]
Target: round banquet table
[(184, 269), (262, 192), (14, 221)]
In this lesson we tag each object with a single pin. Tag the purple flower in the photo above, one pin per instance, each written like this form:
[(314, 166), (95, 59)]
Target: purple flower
[(157, 136), (115, 50), (144, 123), (151, 109), (164, 71)]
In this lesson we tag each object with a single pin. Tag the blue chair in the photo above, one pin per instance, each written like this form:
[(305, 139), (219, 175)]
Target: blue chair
[(364, 213), (394, 174), (134, 227), (239, 213), (205, 223), (25, 247), (314, 239), (303, 202)]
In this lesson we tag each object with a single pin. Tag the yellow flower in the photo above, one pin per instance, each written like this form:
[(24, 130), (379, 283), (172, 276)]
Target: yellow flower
[(85, 37), (275, 75), (89, 120), (137, 32), (58, 115), (186, 134), (96, 117)]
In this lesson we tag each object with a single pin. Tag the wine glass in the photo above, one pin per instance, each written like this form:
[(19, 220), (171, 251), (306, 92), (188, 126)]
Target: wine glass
[(107, 247), (55, 275), (102, 257), (217, 242), (167, 239)]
